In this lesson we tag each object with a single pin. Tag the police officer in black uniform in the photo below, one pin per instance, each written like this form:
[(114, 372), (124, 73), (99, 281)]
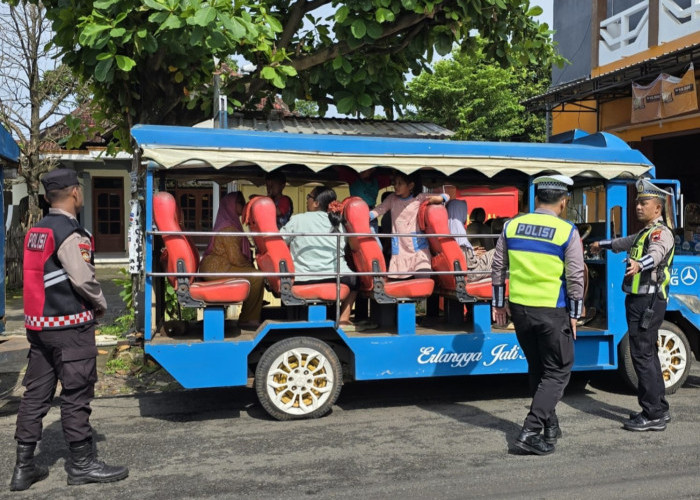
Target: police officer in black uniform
[(544, 255), (62, 298), (646, 284)]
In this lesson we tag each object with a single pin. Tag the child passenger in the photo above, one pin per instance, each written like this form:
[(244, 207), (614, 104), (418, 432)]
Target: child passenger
[(478, 259), (231, 254), (274, 184), (408, 254), (318, 254)]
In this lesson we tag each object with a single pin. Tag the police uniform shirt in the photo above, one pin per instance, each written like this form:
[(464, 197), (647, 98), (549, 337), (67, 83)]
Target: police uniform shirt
[(661, 242), (573, 262), (74, 254)]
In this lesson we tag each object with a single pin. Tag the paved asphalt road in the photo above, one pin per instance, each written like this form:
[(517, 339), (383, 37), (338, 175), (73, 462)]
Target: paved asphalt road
[(424, 439)]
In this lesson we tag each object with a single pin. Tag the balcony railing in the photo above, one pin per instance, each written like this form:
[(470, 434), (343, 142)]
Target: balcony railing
[(628, 32), (676, 22), (624, 34)]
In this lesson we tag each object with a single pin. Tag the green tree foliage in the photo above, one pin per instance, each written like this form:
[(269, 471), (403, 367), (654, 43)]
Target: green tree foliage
[(152, 61), (479, 99)]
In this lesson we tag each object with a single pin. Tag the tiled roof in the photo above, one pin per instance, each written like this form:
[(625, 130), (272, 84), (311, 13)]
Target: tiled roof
[(337, 126)]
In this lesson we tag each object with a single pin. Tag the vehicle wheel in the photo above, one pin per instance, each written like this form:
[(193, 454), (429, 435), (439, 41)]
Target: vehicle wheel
[(674, 355), (297, 378)]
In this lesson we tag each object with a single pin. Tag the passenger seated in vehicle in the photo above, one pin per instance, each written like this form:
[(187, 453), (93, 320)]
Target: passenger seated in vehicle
[(407, 254), (274, 183), (477, 226), (478, 259), (366, 185), (231, 254), (385, 228), (317, 254)]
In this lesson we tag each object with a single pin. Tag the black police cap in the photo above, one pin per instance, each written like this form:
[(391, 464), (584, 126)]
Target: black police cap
[(60, 178)]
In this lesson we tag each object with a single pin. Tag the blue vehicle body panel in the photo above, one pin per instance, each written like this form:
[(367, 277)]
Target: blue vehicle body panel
[(9, 153), (377, 357)]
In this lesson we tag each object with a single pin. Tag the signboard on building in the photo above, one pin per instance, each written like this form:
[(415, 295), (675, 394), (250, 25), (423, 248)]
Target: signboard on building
[(665, 97)]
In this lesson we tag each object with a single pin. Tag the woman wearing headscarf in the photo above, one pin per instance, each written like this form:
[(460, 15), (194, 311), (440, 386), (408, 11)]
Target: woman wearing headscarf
[(478, 260), (231, 254)]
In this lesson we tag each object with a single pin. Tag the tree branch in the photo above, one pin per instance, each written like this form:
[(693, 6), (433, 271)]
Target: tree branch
[(296, 13), (342, 48)]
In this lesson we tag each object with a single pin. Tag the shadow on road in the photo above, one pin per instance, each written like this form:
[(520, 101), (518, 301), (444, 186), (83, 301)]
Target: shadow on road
[(200, 404)]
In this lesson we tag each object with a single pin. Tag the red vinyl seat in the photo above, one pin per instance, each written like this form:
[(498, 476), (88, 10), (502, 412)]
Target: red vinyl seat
[(448, 256), (181, 256), (272, 255), (368, 257)]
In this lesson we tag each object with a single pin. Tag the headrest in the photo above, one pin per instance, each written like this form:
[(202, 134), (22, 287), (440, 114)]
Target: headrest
[(423, 215), (356, 215), (165, 212), (261, 213)]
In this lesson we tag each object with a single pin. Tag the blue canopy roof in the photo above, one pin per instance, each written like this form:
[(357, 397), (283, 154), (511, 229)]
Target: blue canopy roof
[(598, 154), (9, 151)]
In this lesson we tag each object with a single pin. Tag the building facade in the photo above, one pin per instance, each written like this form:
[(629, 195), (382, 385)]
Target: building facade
[(613, 44)]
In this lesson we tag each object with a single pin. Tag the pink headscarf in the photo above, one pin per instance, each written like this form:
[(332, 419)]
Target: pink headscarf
[(228, 217)]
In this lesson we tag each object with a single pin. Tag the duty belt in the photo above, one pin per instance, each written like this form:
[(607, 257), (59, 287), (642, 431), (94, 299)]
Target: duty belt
[(642, 290)]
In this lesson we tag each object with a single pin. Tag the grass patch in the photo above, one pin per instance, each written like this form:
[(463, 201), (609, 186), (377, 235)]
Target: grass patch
[(117, 365)]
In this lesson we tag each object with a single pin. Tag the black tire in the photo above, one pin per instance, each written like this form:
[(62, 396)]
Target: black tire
[(310, 395), (674, 353)]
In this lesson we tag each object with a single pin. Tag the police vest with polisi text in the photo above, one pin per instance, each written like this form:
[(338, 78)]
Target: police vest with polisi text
[(642, 283), (50, 301), (536, 247)]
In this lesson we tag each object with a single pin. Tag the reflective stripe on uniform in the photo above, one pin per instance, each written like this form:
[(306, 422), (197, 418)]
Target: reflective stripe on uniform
[(55, 277)]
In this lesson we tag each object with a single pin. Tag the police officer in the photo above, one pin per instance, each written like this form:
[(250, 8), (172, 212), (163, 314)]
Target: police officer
[(61, 300), (545, 257), (650, 253)]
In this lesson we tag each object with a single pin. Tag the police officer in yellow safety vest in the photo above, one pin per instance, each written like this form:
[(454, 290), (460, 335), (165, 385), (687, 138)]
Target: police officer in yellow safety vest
[(646, 284), (545, 257)]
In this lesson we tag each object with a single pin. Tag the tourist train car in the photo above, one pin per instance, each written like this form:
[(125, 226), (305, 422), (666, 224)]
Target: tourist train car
[(300, 356)]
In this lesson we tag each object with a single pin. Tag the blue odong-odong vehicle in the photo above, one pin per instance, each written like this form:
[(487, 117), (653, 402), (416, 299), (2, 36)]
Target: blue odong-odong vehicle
[(300, 356), (9, 156)]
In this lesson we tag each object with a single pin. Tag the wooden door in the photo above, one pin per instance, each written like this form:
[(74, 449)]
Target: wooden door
[(108, 213)]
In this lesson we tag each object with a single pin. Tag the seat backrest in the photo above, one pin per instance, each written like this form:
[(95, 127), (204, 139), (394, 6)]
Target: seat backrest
[(272, 253), (366, 252), (447, 255), (178, 247)]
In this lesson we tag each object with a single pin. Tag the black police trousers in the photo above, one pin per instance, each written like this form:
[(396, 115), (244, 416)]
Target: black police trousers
[(545, 336), (651, 390), (68, 355)]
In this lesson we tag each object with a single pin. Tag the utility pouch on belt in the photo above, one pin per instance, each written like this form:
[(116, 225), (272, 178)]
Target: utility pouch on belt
[(646, 318)]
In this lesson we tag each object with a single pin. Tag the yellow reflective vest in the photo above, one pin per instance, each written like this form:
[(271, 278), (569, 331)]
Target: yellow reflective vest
[(536, 246), (641, 283)]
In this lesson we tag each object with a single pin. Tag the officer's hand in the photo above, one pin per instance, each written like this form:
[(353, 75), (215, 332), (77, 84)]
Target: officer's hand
[(573, 326), (500, 315), (633, 267), (594, 248)]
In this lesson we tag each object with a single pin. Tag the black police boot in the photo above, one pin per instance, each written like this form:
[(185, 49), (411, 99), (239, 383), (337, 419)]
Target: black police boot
[(551, 431), (26, 471), (666, 415), (530, 441), (84, 467)]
